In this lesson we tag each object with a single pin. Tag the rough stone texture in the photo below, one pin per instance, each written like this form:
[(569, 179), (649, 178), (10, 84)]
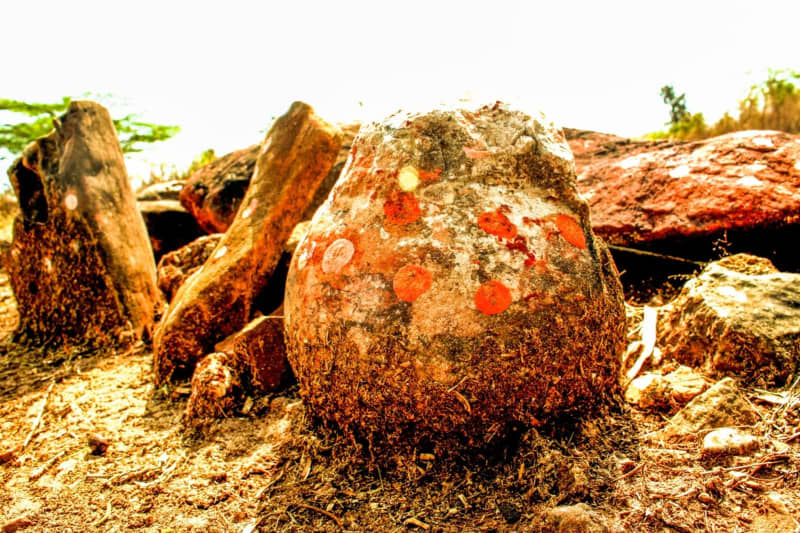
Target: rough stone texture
[(647, 191), (81, 266), (297, 153), (169, 225), (450, 286), (729, 441), (215, 389), (675, 388), (739, 317), (214, 192), (720, 406), (165, 190), (176, 266), (259, 352)]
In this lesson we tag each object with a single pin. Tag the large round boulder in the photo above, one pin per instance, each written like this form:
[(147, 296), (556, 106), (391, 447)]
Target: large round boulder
[(450, 287)]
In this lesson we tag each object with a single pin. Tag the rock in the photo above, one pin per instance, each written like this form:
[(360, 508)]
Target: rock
[(740, 317), (648, 191), (720, 406), (259, 351), (578, 518), (165, 190), (98, 444), (729, 441), (298, 152), (214, 192), (450, 286), (215, 389), (675, 388), (176, 266), (81, 266), (17, 524), (169, 225)]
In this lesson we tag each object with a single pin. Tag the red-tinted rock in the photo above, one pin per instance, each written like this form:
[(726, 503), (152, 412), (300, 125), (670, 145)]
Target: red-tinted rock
[(649, 191), (214, 192), (297, 154), (450, 286), (176, 266), (215, 389), (739, 317), (169, 225), (81, 266)]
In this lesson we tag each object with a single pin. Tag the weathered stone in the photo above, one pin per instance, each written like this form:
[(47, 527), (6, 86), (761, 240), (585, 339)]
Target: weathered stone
[(720, 406), (259, 352), (214, 192), (81, 266), (169, 225), (648, 191), (176, 266), (450, 285), (675, 388), (165, 190), (739, 317), (216, 301), (215, 389), (578, 518), (729, 441)]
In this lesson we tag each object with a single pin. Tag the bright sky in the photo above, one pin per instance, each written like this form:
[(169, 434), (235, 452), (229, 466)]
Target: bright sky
[(222, 70)]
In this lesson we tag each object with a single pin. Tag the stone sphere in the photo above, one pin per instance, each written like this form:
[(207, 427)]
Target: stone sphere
[(451, 287)]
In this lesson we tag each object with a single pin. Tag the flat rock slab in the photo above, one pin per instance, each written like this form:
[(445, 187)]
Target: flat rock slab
[(739, 317), (216, 301), (214, 192), (450, 286), (648, 191), (81, 266)]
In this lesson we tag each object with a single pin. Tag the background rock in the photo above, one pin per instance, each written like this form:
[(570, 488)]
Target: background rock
[(740, 317), (298, 152), (169, 225), (450, 285), (176, 266), (81, 266), (165, 190)]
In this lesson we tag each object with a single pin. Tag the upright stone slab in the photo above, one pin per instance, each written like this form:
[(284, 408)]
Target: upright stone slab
[(81, 266), (451, 285), (297, 153)]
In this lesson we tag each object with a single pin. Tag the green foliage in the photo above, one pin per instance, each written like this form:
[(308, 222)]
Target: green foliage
[(15, 137), (773, 104)]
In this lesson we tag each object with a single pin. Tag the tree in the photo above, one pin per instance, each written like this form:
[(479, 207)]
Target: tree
[(677, 104), (15, 137)]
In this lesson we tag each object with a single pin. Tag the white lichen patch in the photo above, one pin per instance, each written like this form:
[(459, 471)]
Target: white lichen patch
[(250, 208), (408, 178), (71, 201), (733, 294), (221, 252), (681, 171), (630, 162), (337, 255), (749, 181), (756, 167), (766, 142)]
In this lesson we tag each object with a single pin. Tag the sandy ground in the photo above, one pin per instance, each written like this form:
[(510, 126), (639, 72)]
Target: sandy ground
[(273, 469)]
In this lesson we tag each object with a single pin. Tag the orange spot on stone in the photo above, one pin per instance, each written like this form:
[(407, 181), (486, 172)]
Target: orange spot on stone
[(571, 231), (430, 176), (411, 282), (476, 154), (402, 208), (497, 224), (492, 298)]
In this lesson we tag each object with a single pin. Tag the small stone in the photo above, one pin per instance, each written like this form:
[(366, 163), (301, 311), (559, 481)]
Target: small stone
[(6, 456), (706, 498), (720, 406), (778, 502), (729, 441), (676, 388), (578, 518), (215, 389), (175, 267), (98, 444), (16, 524)]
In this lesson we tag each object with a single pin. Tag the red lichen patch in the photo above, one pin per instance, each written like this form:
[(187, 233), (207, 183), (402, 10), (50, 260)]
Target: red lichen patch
[(497, 224), (476, 154), (430, 176), (411, 282), (571, 231), (402, 208), (520, 244), (492, 298)]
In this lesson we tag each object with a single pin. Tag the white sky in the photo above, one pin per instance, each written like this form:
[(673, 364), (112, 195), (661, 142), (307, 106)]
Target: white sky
[(221, 70)]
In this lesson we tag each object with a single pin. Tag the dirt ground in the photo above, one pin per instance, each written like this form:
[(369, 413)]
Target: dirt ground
[(271, 468)]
